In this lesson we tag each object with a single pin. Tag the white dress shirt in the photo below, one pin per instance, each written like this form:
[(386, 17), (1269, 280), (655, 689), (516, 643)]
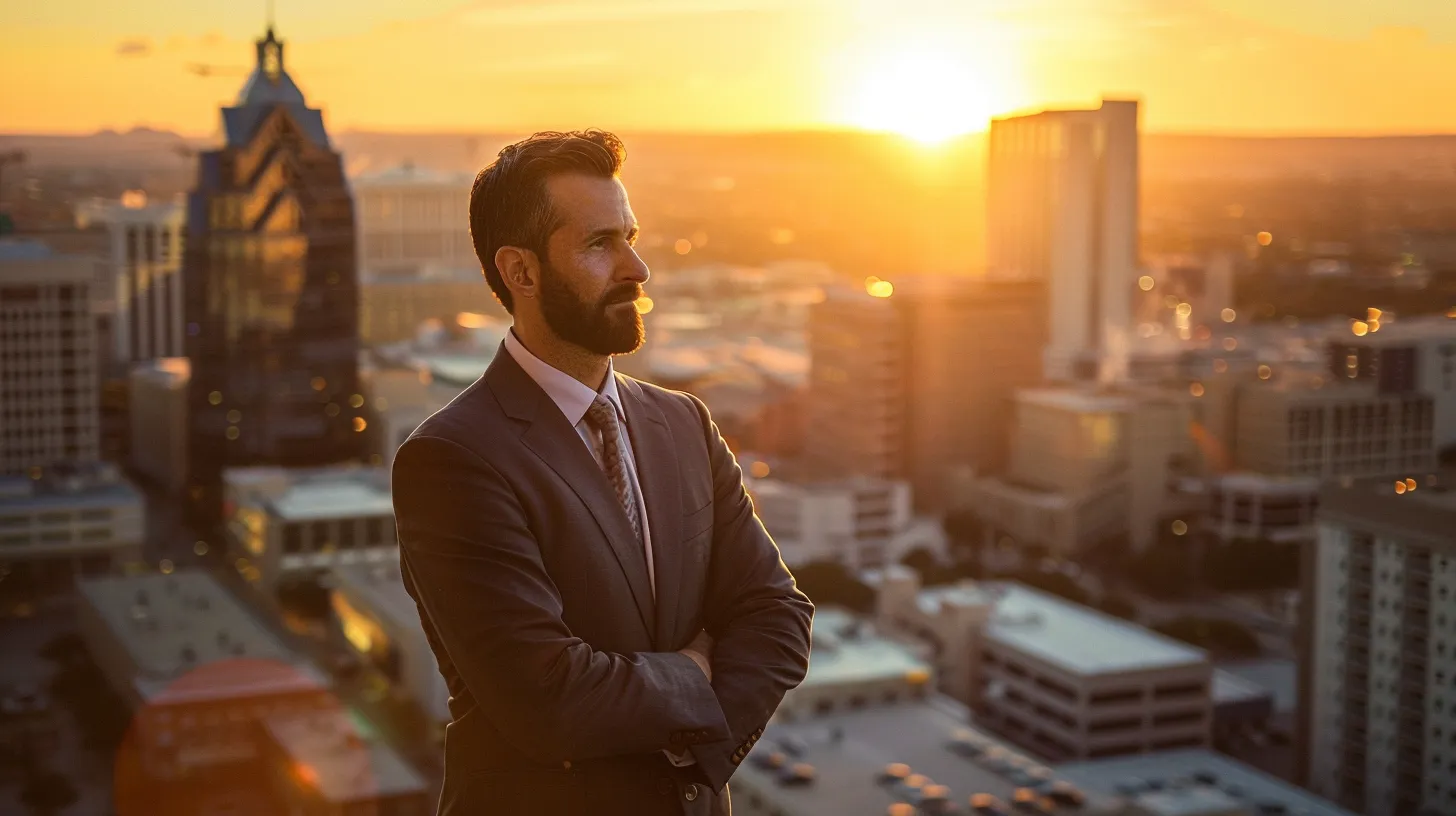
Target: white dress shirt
[(574, 398)]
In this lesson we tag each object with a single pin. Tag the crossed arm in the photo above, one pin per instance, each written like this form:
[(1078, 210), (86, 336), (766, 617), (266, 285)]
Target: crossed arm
[(475, 570)]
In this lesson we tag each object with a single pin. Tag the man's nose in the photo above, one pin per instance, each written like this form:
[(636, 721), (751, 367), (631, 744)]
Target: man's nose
[(633, 268)]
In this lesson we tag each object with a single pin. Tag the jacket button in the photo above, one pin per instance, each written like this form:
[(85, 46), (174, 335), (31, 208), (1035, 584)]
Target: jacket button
[(691, 793)]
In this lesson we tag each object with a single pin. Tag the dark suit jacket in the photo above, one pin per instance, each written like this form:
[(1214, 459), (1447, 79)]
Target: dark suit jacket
[(565, 685)]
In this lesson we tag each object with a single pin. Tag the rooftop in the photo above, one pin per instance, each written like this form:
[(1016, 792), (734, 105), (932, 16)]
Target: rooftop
[(1079, 400), (1195, 781), (410, 175), (847, 650), (1278, 676), (332, 757), (189, 639), (1425, 515), (849, 753), (1078, 639), (309, 494), (80, 485)]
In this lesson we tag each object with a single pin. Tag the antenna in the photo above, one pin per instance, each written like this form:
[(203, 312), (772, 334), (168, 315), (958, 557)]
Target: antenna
[(269, 9)]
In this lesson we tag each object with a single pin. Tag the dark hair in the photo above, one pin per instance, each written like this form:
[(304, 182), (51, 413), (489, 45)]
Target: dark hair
[(509, 203)]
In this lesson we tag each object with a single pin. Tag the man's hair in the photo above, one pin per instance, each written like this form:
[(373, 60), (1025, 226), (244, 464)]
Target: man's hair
[(509, 203)]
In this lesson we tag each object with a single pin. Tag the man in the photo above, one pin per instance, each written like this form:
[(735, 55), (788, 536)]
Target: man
[(613, 622)]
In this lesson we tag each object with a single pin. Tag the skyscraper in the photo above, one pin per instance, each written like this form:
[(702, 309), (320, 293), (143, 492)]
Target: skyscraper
[(271, 291), (1377, 711), (1062, 207)]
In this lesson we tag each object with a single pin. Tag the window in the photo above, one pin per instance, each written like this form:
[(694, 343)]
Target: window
[(96, 515), (292, 539), (1116, 697), (320, 534), (373, 532), (346, 534), (1182, 690)]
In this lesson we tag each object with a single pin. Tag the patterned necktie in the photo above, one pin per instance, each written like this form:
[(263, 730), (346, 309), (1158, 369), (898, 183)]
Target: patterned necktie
[(602, 416)]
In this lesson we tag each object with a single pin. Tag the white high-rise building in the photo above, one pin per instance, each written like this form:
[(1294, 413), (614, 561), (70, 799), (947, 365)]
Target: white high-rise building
[(48, 383), (1062, 207), (1377, 717), (413, 222), (146, 270)]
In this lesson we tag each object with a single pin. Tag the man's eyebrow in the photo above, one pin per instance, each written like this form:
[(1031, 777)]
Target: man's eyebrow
[(609, 232)]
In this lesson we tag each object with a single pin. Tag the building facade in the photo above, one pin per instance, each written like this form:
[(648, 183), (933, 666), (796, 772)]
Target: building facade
[(1062, 207), (1403, 358), (49, 394), (1377, 717), (158, 421), (858, 522), (414, 222), (75, 520), (318, 764), (145, 261), (271, 293), (294, 524), (855, 408)]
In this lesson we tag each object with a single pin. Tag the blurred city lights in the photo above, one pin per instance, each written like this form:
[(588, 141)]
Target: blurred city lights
[(1180, 527), (1360, 328), (360, 424), (1265, 239), (1265, 372), (1145, 283), (1196, 389), (1228, 315), (644, 304), (682, 246)]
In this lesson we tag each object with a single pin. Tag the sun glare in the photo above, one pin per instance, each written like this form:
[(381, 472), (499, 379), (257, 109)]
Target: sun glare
[(929, 94)]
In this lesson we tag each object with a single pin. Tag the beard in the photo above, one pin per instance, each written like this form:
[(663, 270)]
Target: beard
[(600, 327)]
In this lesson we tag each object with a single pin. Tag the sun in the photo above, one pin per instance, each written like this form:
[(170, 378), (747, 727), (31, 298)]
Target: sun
[(927, 93)]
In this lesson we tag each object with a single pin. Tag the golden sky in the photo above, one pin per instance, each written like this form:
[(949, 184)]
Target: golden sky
[(928, 67)]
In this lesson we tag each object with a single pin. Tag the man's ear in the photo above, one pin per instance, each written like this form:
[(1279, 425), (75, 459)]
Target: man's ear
[(520, 269)]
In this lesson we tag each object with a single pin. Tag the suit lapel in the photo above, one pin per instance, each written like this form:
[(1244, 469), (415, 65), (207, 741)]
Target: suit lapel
[(654, 451), (558, 445)]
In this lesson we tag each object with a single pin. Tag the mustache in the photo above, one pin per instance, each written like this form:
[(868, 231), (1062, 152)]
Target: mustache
[(622, 293)]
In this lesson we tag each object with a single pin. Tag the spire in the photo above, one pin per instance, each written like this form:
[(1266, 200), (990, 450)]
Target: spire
[(270, 56)]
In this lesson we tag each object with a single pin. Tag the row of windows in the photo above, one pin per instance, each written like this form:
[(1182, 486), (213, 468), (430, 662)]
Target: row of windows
[(343, 534)]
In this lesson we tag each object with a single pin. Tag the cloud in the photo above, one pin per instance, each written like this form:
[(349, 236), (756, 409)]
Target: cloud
[(569, 12), (134, 47)]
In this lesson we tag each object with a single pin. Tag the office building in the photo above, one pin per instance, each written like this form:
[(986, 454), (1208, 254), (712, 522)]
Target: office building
[(400, 399), (271, 297), (382, 623), (48, 381), (918, 385), (1185, 293), (855, 410), (1060, 679), (318, 764), (1062, 207), (1299, 425), (158, 421), (291, 525), (1193, 782), (74, 520), (1088, 466), (859, 522), (414, 222), (1247, 506), (145, 262), (863, 734), (1377, 718), (197, 670), (1404, 357)]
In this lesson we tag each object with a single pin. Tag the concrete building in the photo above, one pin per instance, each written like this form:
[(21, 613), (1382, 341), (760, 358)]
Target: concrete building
[(859, 522), (198, 671), (380, 620), (48, 380), (413, 221), (1405, 357), (1062, 207), (1193, 782), (863, 733), (159, 420), (1377, 719), (1186, 293), (145, 262), (1256, 507), (855, 409), (73, 520), (400, 399), (1088, 466), (1060, 679), (918, 385), (1312, 426), (318, 764), (294, 524)]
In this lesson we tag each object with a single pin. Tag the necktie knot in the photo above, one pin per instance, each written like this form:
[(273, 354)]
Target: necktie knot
[(602, 415)]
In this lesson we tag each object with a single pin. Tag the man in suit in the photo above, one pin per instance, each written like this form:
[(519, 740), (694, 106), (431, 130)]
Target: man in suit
[(613, 622)]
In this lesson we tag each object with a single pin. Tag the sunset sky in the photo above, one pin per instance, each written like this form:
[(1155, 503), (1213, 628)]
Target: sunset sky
[(926, 67)]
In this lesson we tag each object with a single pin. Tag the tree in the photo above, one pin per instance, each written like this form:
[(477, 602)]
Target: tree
[(47, 792), (828, 582), (1251, 564)]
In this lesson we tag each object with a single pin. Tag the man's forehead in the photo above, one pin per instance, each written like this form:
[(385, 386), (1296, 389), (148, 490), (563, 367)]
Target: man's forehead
[(590, 202)]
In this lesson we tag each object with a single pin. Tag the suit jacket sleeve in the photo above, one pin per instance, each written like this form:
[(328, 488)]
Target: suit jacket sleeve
[(758, 619), (475, 571)]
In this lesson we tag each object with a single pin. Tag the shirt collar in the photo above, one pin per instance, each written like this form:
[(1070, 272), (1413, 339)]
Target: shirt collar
[(569, 394)]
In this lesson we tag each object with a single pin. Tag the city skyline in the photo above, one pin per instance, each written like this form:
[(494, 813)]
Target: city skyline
[(745, 65)]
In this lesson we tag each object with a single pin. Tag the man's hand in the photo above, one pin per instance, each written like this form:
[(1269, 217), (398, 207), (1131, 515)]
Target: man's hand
[(701, 652)]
